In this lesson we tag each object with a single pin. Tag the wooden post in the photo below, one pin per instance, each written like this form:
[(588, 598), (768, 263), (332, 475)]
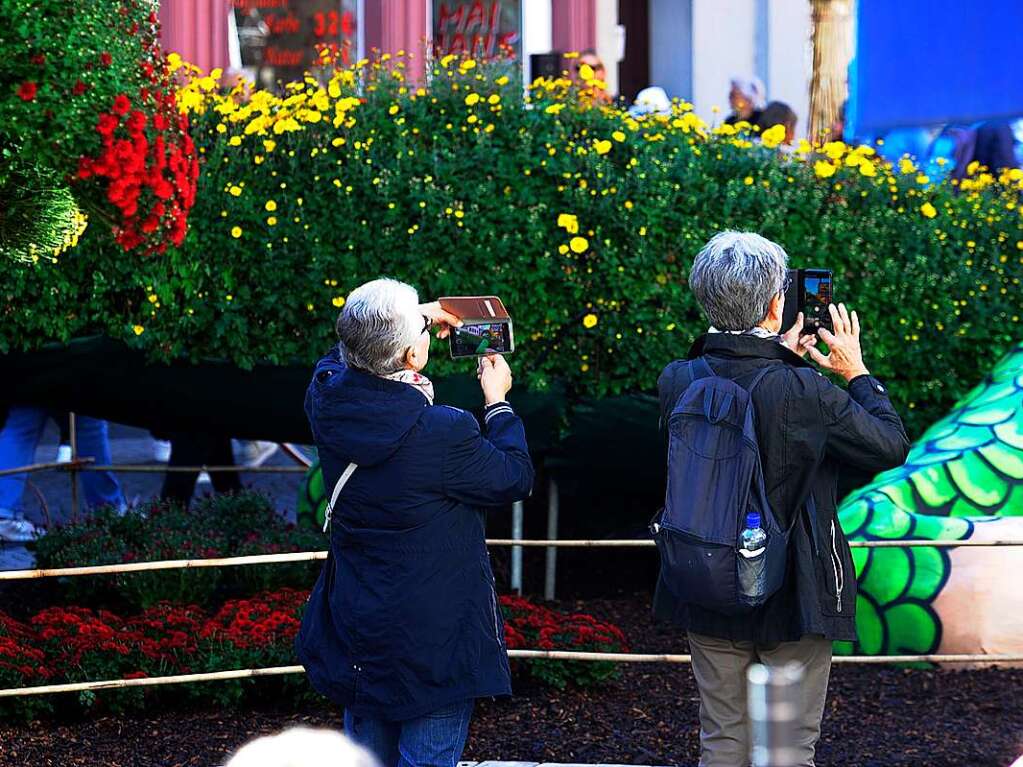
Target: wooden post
[(832, 52)]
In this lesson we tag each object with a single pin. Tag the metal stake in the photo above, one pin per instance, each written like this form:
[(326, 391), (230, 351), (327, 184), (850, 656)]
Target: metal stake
[(518, 512), (775, 708), (550, 570), (73, 432)]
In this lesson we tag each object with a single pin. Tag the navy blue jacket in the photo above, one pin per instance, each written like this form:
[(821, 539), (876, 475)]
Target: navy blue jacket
[(405, 618)]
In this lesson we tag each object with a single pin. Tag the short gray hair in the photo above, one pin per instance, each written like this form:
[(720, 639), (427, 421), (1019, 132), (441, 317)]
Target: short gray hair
[(735, 277), (378, 324)]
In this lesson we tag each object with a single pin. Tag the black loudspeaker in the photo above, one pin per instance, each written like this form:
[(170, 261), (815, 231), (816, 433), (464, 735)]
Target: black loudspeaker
[(545, 65)]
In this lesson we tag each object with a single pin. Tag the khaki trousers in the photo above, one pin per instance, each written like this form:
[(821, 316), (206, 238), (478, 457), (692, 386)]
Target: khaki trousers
[(719, 666)]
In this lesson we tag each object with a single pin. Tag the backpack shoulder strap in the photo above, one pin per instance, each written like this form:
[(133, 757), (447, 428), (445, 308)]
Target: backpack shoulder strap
[(701, 368), (341, 482), (758, 378)]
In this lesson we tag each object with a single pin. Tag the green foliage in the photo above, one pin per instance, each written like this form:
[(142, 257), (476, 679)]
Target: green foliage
[(38, 214), (325, 192), (220, 526)]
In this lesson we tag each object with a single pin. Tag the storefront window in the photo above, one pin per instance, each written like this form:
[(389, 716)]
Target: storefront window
[(278, 40), (487, 28)]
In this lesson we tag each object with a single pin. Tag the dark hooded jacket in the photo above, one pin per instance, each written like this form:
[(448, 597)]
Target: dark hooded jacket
[(811, 435), (405, 618)]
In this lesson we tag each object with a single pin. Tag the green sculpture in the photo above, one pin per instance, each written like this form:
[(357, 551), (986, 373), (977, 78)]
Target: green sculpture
[(963, 479)]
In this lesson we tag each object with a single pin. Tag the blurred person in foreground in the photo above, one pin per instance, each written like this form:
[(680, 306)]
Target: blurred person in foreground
[(746, 97), (809, 432), (302, 747), (403, 628)]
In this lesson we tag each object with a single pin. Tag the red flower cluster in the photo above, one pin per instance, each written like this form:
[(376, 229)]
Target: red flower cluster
[(535, 627), (258, 622), (149, 165)]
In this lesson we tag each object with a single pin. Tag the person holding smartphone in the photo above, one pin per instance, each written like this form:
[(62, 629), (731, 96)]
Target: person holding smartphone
[(404, 629)]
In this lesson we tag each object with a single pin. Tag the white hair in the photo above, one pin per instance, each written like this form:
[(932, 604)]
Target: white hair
[(652, 100), (735, 276), (378, 324), (753, 89), (302, 747)]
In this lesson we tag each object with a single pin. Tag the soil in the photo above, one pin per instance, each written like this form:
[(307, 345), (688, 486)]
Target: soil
[(876, 716)]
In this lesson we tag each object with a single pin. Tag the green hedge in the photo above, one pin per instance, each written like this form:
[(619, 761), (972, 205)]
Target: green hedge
[(304, 197)]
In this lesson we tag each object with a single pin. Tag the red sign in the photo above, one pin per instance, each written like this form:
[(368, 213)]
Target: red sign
[(486, 28)]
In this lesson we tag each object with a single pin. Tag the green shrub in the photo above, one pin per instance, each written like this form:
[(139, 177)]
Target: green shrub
[(219, 526), (306, 196)]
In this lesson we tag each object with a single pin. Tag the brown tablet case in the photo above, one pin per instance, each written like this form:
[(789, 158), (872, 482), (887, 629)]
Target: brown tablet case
[(475, 308)]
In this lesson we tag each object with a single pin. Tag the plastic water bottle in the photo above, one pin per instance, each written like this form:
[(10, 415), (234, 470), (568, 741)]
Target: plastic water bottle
[(753, 539)]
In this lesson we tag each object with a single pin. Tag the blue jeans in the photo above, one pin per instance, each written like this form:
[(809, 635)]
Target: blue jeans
[(433, 740), (18, 442)]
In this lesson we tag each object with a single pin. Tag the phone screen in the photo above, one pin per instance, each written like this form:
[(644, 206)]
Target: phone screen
[(477, 339), (816, 298)]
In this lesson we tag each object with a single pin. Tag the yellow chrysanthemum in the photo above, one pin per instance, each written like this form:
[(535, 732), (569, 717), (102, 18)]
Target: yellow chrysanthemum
[(602, 147), (139, 330), (568, 222), (235, 190), (824, 169), (472, 99), (928, 210), (338, 301), (236, 232), (270, 206), (578, 244), (590, 320), (773, 136)]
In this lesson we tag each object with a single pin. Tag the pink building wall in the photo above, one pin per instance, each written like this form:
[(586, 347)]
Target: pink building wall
[(574, 25), (197, 29)]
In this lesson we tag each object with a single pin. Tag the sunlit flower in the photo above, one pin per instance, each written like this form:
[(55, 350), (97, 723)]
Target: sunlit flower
[(928, 210), (824, 169), (578, 244), (590, 320)]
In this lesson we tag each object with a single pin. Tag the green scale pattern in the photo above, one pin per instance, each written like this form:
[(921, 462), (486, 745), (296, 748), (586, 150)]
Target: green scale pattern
[(966, 470)]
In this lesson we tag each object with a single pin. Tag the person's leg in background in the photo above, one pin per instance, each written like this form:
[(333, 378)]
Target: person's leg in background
[(219, 452), (100, 488), (375, 735), (813, 653), (191, 449), (719, 666), (436, 739), (19, 438)]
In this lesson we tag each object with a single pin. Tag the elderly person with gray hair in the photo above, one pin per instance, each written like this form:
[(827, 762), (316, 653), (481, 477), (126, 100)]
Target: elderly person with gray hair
[(403, 629), (810, 434), (747, 97)]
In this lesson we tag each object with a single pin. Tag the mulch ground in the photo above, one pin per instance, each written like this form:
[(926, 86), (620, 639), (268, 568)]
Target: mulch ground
[(876, 716)]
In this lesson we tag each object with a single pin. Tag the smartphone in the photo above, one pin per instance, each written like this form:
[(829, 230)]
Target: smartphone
[(809, 292), (476, 339), (486, 326)]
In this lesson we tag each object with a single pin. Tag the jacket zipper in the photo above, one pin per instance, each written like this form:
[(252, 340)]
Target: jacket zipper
[(493, 611), (839, 570)]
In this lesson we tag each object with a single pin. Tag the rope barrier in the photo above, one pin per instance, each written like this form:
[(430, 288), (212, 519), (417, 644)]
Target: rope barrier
[(585, 657), (308, 556)]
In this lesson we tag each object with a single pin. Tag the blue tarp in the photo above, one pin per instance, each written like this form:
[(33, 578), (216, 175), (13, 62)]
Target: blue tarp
[(931, 62)]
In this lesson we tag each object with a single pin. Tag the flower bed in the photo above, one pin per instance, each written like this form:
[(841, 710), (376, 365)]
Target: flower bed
[(74, 644), (219, 526), (584, 221)]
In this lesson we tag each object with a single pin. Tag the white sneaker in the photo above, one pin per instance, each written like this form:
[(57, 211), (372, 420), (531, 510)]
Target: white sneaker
[(161, 450), (204, 478), (17, 530), (63, 454), (256, 453)]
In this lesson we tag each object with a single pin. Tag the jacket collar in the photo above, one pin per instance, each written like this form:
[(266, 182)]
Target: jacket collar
[(744, 346)]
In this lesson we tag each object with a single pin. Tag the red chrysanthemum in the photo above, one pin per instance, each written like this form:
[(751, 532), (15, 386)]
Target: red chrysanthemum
[(105, 59), (121, 104), (79, 88), (27, 91)]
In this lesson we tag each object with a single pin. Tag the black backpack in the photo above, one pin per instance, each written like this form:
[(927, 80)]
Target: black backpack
[(715, 479)]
